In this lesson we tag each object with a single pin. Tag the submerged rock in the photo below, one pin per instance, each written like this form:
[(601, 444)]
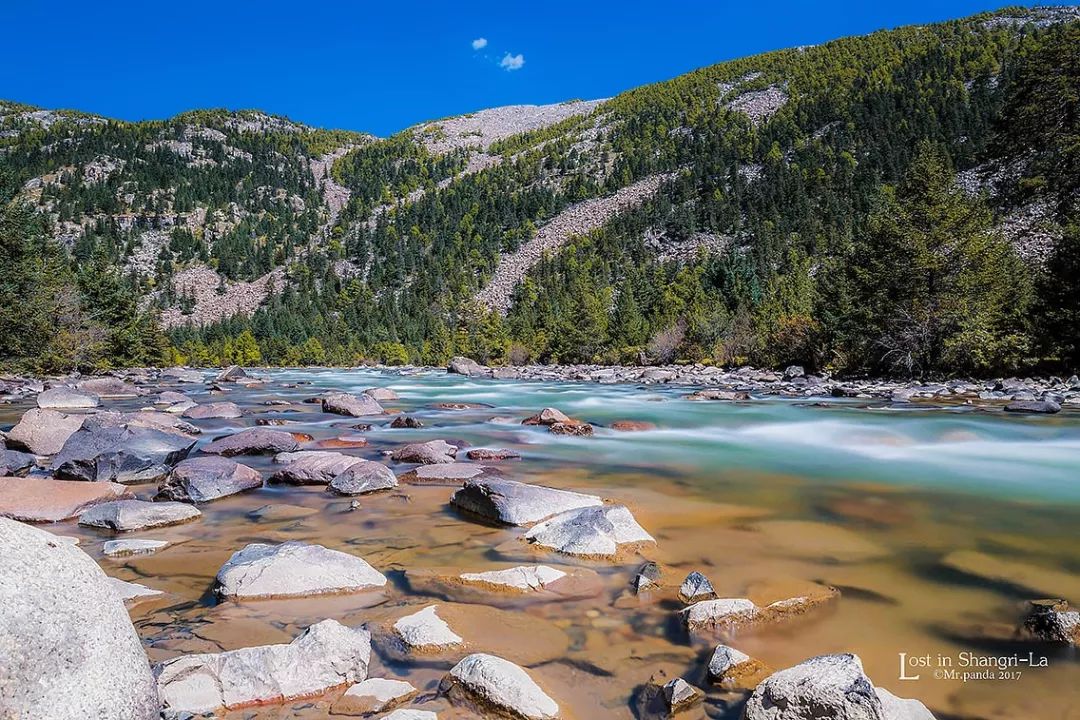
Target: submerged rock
[(515, 503), (426, 453), (43, 432), (294, 569), (311, 467), (406, 422), (1020, 575), (373, 695), (130, 515), (632, 426), (590, 532), (215, 410), (202, 479), (828, 686), (70, 651), (510, 586), (362, 477), (490, 454), (276, 512), (65, 398), (113, 448), (253, 441), (488, 682), (41, 500), (326, 655), (132, 546), (352, 405)]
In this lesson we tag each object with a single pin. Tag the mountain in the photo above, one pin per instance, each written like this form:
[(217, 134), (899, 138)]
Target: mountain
[(901, 202)]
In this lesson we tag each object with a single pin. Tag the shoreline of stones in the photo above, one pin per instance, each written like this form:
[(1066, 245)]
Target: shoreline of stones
[(96, 455)]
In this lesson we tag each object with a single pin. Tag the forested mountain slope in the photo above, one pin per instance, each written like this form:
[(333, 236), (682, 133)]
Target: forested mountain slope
[(902, 202)]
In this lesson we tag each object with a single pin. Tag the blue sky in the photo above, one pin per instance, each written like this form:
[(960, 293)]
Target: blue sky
[(381, 66)]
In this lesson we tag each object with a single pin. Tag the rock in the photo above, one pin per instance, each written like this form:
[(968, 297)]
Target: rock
[(427, 453), (182, 375), (525, 578), (426, 632), (202, 479), (1042, 407), (109, 387), (130, 515), (43, 432), (827, 686), (70, 651), (696, 587), (276, 512), (794, 371), (293, 569), (450, 474), (233, 373), (720, 616), (130, 593), (590, 532), (209, 411), (362, 477), (647, 577), (132, 546), (486, 681), (406, 422), (1053, 621), (724, 615), (547, 416), (576, 429), (39, 500), (373, 695), (680, 695), (716, 394), (109, 448), (735, 670), (468, 367), (326, 655), (311, 467), (510, 587), (491, 454), (461, 406), (515, 503), (381, 394), (632, 426), (13, 462), (410, 714), (353, 405), (65, 398), (253, 441)]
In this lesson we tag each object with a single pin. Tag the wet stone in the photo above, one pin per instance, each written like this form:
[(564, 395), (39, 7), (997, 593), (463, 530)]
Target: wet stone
[(362, 477), (131, 515), (696, 587), (253, 441), (294, 569), (203, 479), (515, 503), (590, 532), (431, 452), (487, 681)]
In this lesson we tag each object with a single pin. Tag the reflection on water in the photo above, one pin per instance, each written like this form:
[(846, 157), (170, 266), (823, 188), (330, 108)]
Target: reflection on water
[(866, 498)]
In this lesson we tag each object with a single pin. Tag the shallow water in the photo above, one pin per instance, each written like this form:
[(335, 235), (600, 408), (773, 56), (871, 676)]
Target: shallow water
[(865, 496)]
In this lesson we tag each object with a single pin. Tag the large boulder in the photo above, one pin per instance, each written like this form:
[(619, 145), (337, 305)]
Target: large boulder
[(381, 394), (111, 448), (431, 452), (601, 532), (109, 387), (352, 405), (311, 467), (214, 410), (516, 503), (65, 398), (253, 441), (443, 473), (326, 655), (362, 477), (68, 647), (202, 479), (233, 373), (40, 500), (13, 462), (43, 432), (828, 686), (490, 683), (294, 569), (181, 375), (1036, 407), (468, 367), (130, 515)]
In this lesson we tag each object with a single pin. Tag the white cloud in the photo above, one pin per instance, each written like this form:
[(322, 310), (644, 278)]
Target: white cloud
[(479, 43), (512, 62)]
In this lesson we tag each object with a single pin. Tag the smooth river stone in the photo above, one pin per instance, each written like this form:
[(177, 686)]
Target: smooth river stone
[(130, 515), (452, 473), (65, 398), (294, 569), (524, 578), (311, 467), (326, 655), (38, 500), (253, 441), (69, 649), (132, 546), (515, 503), (215, 410), (509, 587), (202, 479), (590, 532), (352, 405), (43, 432), (426, 453), (500, 685), (362, 477), (373, 695)]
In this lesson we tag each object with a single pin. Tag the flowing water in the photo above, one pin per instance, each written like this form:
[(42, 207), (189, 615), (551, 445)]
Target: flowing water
[(868, 497)]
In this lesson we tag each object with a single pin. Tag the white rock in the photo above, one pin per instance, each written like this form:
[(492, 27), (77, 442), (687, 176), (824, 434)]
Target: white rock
[(525, 577), (326, 655), (425, 631), (373, 695), (294, 569), (719, 614), (132, 546), (502, 685), (591, 531), (724, 658), (129, 591), (410, 714)]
